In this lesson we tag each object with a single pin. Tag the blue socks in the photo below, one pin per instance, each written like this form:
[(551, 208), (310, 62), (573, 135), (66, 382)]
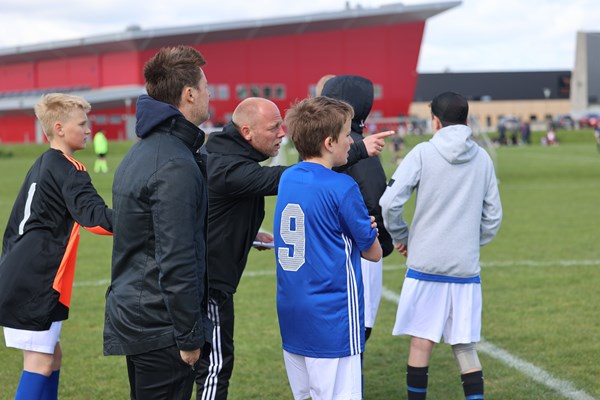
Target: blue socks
[(37, 386), (31, 386), (51, 392)]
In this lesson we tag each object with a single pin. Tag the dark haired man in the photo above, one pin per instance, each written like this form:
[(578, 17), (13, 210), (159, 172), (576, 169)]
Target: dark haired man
[(156, 305), (457, 210)]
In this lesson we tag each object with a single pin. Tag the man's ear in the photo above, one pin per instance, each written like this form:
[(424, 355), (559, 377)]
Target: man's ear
[(188, 94), (436, 124), (246, 132)]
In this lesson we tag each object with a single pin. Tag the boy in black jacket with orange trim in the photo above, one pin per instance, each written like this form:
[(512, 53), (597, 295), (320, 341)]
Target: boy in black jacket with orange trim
[(40, 244)]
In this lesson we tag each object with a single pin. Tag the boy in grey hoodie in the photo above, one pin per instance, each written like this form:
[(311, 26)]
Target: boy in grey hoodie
[(457, 211)]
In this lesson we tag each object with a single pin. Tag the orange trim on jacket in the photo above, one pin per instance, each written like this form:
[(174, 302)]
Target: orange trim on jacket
[(63, 282), (77, 164)]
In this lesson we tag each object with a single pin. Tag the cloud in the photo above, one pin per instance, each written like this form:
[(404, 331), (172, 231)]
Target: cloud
[(476, 36)]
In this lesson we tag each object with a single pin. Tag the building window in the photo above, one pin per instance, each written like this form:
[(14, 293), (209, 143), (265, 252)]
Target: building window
[(222, 92), (211, 90), (115, 120), (280, 92), (312, 90), (268, 91), (241, 92), (255, 91), (377, 92)]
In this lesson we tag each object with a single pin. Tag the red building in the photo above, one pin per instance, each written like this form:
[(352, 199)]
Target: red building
[(277, 58)]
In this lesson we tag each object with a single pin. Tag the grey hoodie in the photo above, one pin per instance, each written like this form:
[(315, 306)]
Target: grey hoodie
[(457, 209)]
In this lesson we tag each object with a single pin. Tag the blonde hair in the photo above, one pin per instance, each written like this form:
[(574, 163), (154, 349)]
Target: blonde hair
[(54, 107)]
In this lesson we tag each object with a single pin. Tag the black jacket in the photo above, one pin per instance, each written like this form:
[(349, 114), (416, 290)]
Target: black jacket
[(368, 173), (41, 238), (237, 184), (159, 288)]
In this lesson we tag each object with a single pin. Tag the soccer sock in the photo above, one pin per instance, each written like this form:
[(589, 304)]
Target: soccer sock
[(31, 386), (51, 392), (416, 382), (473, 385), (368, 333)]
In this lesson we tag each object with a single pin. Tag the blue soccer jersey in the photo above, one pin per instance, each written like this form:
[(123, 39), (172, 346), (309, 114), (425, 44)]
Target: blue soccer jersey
[(321, 225)]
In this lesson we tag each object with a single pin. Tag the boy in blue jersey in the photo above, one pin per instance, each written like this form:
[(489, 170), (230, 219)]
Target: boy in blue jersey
[(457, 211), (321, 230)]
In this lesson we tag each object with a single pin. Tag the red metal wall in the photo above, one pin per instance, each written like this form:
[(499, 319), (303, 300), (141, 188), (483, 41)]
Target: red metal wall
[(387, 55)]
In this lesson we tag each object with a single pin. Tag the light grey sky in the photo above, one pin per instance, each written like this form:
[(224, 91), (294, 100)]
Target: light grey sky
[(478, 35)]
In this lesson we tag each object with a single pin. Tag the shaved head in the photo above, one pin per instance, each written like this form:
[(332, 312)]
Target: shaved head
[(259, 122), (251, 109)]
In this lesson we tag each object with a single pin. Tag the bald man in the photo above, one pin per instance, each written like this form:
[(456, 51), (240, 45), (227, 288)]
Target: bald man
[(321, 83), (237, 186)]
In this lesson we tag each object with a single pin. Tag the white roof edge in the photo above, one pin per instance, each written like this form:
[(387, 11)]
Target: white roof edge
[(425, 10)]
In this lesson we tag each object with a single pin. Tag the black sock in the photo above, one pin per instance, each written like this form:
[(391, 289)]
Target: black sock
[(416, 382), (473, 385), (368, 333)]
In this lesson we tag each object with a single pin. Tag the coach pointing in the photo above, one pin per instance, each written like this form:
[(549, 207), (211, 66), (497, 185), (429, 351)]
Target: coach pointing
[(237, 186)]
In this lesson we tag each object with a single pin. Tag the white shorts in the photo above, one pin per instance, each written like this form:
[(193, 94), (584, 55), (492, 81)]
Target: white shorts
[(38, 341), (372, 274), (324, 378), (429, 310)]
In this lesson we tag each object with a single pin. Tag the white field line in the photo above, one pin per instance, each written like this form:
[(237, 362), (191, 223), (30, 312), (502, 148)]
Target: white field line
[(564, 388)]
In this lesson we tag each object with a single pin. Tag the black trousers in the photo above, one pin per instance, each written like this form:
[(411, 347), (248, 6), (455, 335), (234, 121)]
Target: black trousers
[(160, 374), (212, 379)]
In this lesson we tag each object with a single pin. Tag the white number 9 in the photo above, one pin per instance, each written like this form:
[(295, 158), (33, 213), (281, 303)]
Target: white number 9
[(292, 235)]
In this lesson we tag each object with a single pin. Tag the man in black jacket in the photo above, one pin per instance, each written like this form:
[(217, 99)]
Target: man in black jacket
[(237, 186), (371, 179), (156, 305)]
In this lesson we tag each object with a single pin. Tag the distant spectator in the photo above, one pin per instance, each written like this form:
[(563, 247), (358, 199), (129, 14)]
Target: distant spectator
[(550, 138), (501, 133), (397, 147), (526, 132), (101, 150)]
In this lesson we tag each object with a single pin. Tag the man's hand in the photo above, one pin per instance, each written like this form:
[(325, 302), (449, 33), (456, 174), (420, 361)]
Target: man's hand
[(190, 357), (265, 238), (375, 142), (402, 249)]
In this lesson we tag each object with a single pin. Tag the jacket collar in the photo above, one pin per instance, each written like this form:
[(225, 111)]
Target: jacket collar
[(184, 130), (231, 141)]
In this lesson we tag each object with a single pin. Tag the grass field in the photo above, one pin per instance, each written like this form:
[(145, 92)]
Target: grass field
[(541, 279)]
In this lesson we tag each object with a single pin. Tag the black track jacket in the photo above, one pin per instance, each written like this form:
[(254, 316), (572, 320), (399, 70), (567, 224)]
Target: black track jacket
[(237, 184)]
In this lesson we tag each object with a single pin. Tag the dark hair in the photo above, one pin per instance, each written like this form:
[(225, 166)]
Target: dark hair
[(170, 70), (451, 108), (312, 120)]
